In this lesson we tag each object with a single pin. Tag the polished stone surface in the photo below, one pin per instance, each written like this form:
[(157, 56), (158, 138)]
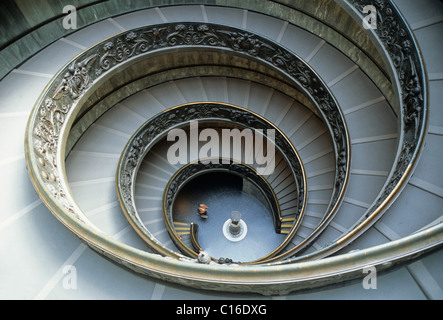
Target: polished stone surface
[(222, 193)]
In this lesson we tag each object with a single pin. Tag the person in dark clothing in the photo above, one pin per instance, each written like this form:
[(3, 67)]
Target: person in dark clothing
[(203, 211)]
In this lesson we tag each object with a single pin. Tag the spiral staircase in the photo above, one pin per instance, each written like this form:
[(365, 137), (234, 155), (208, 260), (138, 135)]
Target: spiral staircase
[(359, 109)]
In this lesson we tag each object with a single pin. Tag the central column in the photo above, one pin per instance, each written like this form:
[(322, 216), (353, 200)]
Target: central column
[(234, 226), (235, 229)]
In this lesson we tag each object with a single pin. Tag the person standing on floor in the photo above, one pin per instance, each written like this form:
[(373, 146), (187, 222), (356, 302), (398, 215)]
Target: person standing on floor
[(203, 211)]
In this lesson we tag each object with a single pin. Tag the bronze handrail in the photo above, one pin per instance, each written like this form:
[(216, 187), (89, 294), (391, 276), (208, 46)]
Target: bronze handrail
[(45, 163), (194, 237), (157, 127), (182, 176)]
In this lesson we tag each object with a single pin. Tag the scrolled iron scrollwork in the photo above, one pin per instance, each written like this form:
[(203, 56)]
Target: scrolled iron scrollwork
[(398, 41), (64, 98), (158, 126), (70, 84), (49, 118)]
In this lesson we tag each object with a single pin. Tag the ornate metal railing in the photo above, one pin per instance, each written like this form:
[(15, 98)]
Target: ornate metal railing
[(409, 79), (69, 90), (60, 103), (158, 127), (206, 165)]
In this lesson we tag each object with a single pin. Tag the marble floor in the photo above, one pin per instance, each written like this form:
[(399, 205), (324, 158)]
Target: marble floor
[(222, 193)]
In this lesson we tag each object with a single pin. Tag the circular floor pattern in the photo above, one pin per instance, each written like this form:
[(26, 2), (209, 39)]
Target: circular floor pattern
[(235, 237), (222, 198)]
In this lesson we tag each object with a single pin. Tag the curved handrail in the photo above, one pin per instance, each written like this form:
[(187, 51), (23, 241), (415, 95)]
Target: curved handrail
[(384, 254), (194, 237), (53, 115), (201, 166), (399, 45), (397, 42), (302, 15), (158, 126)]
